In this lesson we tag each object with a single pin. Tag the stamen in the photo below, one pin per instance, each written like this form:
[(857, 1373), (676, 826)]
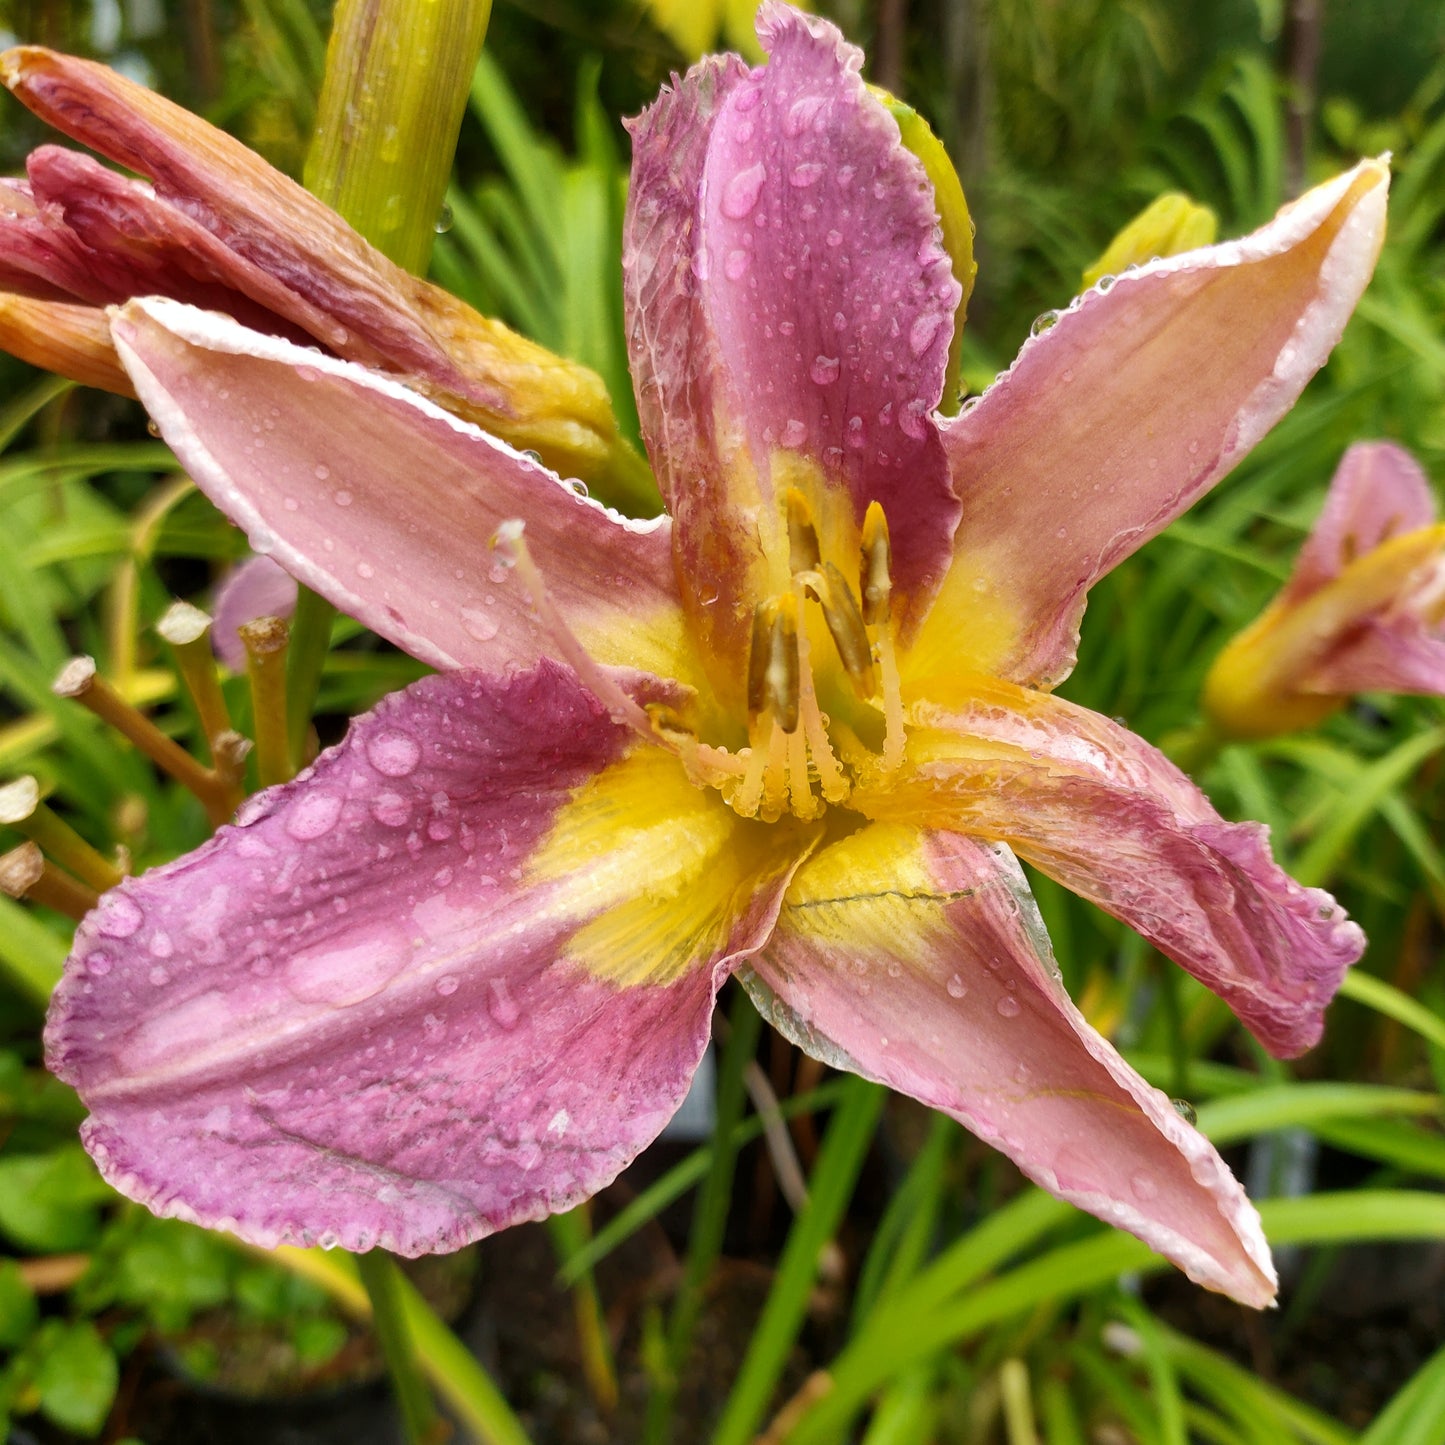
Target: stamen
[(624, 708), (782, 675), (804, 554), (266, 640), (876, 585), (830, 775), (845, 623), (775, 776), (759, 653), (875, 580), (25, 872), (748, 794), (705, 766)]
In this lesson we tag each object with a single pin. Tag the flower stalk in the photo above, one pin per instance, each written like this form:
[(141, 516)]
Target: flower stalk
[(25, 872), (22, 809), (266, 640), (188, 632), (79, 680)]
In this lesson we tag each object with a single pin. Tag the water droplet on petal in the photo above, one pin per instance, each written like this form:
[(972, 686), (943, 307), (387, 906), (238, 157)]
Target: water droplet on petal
[(956, 986), (323, 472), (1185, 1110), (98, 964), (922, 332), (447, 985), (795, 433), (119, 916), (834, 238), (443, 222), (1043, 323), (802, 114), (313, 816), (806, 174), (391, 810), (825, 370), (736, 264), (501, 1005), (741, 193), (1008, 1007), (1145, 1186), (341, 497), (394, 753), (478, 624)]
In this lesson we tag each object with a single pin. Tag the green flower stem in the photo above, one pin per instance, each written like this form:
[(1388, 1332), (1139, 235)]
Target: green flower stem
[(459, 1379), (310, 644), (382, 1278), (188, 632), (266, 642), (397, 79), (709, 1220), (571, 1232)]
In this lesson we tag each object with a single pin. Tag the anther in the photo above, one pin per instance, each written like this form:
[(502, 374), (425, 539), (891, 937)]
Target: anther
[(845, 623), (782, 670), (804, 554), (875, 573)]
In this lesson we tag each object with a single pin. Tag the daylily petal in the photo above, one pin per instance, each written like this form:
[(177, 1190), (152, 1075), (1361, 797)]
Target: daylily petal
[(387, 504), (257, 587), (265, 237), (1378, 491), (397, 1004), (73, 341), (790, 309), (1123, 412), (1398, 653), (1094, 806), (919, 959)]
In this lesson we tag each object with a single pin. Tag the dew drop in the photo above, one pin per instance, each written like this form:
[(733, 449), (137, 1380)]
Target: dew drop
[(478, 624), (854, 433), (314, 816), (824, 370), (394, 753), (1043, 323), (161, 945), (391, 810), (151, 428), (119, 916), (341, 497), (795, 433), (741, 193), (501, 1005), (365, 571), (291, 504), (323, 472), (922, 332), (1145, 1186), (1185, 1110), (834, 238), (806, 174), (1105, 283), (736, 264), (1008, 1007), (98, 964), (443, 222), (802, 114), (158, 976), (956, 986)]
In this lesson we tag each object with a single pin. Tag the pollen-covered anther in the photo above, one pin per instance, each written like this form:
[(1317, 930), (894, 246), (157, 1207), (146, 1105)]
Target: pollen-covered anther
[(845, 625), (875, 585)]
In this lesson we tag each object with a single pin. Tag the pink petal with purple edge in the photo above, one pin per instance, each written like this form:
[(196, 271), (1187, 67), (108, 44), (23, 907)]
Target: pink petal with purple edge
[(828, 292), (1095, 807), (386, 505), (348, 1020), (939, 983), (257, 587), (1378, 491), (677, 375), (1133, 404)]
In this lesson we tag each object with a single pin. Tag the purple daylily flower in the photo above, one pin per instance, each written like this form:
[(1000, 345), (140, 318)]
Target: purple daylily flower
[(1363, 611), (462, 970)]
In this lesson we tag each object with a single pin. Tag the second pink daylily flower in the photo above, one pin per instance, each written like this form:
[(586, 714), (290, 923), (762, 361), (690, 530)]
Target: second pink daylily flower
[(1363, 610), (461, 971)]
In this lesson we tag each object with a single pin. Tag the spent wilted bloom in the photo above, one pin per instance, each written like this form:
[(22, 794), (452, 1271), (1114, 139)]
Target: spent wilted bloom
[(217, 226), (1363, 610), (799, 731)]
